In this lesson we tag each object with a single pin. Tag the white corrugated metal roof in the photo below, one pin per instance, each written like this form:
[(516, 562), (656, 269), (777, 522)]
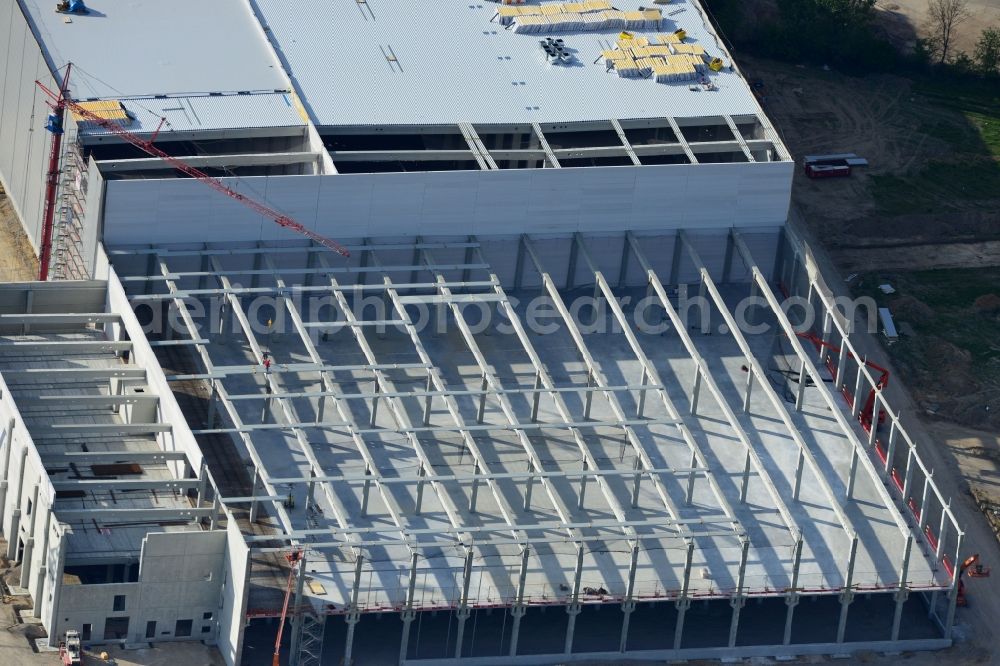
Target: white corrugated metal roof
[(150, 47), (207, 112), (454, 64)]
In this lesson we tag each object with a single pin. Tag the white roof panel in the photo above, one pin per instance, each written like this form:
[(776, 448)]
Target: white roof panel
[(150, 47), (453, 63), (207, 113)]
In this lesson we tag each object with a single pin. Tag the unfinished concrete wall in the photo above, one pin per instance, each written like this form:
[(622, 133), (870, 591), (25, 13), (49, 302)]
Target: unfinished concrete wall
[(24, 143), (26, 496), (180, 579), (234, 595), (467, 202)]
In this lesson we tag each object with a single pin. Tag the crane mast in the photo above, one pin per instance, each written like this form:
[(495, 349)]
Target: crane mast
[(61, 101)]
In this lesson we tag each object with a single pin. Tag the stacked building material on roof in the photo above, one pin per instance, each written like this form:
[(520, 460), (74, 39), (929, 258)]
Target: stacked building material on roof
[(589, 16), (662, 57)]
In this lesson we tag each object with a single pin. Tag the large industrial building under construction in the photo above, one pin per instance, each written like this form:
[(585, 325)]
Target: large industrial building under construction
[(554, 405)]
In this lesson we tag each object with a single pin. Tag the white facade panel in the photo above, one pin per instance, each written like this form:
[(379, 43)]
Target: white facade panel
[(557, 201), (234, 595), (24, 143)]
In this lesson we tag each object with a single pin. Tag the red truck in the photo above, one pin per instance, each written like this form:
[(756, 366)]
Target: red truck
[(828, 170)]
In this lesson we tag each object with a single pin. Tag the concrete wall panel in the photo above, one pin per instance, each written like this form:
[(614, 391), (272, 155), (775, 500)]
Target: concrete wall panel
[(24, 143), (557, 201), (234, 596)]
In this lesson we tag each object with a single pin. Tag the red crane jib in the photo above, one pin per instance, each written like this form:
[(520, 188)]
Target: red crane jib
[(149, 148)]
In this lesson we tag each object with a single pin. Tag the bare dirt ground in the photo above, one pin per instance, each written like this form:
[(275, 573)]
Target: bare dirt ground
[(905, 257), (17, 259), (983, 13), (930, 199), (933, 174)]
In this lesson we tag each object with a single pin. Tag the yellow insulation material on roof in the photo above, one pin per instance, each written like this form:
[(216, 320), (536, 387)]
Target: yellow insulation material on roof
[(110, 109)]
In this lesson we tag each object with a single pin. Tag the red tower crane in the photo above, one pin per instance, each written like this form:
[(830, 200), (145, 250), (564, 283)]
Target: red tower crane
[(61, 101), (55, 126)]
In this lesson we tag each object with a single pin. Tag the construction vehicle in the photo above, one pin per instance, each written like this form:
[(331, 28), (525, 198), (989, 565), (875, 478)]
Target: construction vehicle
[(866, 411), (974, 569), (61, 101), (294, 562), (69, 649)]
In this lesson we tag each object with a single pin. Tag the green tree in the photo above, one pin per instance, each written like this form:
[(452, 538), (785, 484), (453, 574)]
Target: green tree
[(987, 54)]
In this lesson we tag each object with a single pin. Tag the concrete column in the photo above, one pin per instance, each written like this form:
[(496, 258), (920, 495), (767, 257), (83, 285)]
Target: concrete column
[(876, 408), (374, 416), (536, 397), (429, 399), (628, 605), (54, 633), (745, 486), (798, 475), (949, 622), (420, 490), (852, 475), (636, 482), (841, 364), (738, 600), (404, 642), (254, 504), (29, 543), (366, 491), (891, 449), (38, 592), (462, 614), (907, 482), (15, 517), (484, 385), (352, 620), (747, 395), (923, 498), (212, 405), (518, 610), (573, 609), (213, 521), (474, 493), (529, 484), (941, 531), (903, 593), (792, 598), (202, 484), (847, 596), (858, 388), (408, 614), (696, 389), (800, 394), (683, 603), (8, 444)]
